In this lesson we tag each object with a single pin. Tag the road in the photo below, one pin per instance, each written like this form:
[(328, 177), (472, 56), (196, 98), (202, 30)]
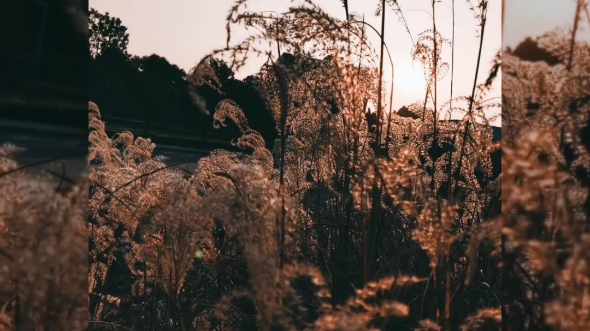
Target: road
[(66, 156), (189, 157)]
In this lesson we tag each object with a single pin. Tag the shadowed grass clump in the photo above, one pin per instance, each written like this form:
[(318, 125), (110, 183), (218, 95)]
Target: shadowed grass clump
[(546, 201), (43, 242)]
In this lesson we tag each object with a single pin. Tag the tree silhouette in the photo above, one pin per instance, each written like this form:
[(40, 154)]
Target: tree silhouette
[(529, 50), (106, 32), (222, 70), (162, 85), (155, 91), (112, 77), (405, 112)]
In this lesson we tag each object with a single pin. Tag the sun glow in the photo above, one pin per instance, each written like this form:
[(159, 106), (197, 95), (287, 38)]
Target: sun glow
[(409, 84)]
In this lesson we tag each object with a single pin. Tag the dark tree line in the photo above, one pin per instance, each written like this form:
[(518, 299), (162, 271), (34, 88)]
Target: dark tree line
[(152, 90), (529, 50)]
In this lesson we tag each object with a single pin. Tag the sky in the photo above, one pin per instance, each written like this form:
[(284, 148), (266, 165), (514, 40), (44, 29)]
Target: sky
[(184, 31), (532, 18)]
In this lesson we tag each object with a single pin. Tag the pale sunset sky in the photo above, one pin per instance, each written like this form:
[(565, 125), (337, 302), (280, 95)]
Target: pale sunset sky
[(532, 18), (184, 31)]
